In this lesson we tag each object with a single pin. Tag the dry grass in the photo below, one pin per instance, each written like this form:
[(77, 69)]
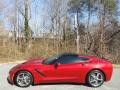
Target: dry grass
[(116, 66), (11, 52)]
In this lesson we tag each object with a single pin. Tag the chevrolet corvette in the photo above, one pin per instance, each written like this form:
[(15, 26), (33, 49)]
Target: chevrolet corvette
[(64, 68)]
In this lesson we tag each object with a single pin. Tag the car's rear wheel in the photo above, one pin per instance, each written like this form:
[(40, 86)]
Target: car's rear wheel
[(23, 79), (95, 78)]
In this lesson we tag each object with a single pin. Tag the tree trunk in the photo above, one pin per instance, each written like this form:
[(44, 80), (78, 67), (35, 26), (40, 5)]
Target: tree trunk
[(77, 33), (102, 32), (26, 22)]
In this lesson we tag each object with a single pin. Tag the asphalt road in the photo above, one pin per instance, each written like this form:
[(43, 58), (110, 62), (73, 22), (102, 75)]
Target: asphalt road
[(114, 84)]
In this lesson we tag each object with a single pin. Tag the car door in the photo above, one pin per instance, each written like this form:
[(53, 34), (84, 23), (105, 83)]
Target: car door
[(68, 68)]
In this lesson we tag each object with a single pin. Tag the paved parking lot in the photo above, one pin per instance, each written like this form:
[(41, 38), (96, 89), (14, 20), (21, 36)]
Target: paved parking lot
[(114, 84)]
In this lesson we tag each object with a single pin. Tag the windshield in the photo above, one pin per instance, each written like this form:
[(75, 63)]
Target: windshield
[(50, 60)]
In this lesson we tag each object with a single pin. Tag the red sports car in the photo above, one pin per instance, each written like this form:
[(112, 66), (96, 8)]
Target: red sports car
[(63, 68)]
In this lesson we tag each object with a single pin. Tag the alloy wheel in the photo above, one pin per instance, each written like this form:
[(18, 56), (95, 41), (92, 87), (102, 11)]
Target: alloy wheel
[(23, 79), (96, 78)]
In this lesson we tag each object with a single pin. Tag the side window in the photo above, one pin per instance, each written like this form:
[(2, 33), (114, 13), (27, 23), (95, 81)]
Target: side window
[(81, 59), (66, 59), (71, 59)]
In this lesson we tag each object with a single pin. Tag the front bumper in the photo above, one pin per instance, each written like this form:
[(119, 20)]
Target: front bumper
[(9, 81)]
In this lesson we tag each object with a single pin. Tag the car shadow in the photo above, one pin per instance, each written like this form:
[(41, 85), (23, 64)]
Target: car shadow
[(42, 84), (76, 84)]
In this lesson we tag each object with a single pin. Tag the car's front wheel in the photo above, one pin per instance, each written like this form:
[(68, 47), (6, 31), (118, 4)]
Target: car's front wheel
[(95, 78), (23, 79)]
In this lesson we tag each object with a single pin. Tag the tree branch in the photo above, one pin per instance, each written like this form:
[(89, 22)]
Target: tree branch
[(112, 36)]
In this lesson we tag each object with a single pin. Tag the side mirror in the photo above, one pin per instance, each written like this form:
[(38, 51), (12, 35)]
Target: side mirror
[(56, 65)]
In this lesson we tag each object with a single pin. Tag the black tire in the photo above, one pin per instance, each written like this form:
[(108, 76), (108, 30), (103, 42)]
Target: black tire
[(25, 81), (95, 81)]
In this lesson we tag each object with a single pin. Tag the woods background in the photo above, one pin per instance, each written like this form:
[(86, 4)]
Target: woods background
[(35, 28)]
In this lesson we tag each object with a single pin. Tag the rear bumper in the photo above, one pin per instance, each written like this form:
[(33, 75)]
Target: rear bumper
[(9, 81)]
